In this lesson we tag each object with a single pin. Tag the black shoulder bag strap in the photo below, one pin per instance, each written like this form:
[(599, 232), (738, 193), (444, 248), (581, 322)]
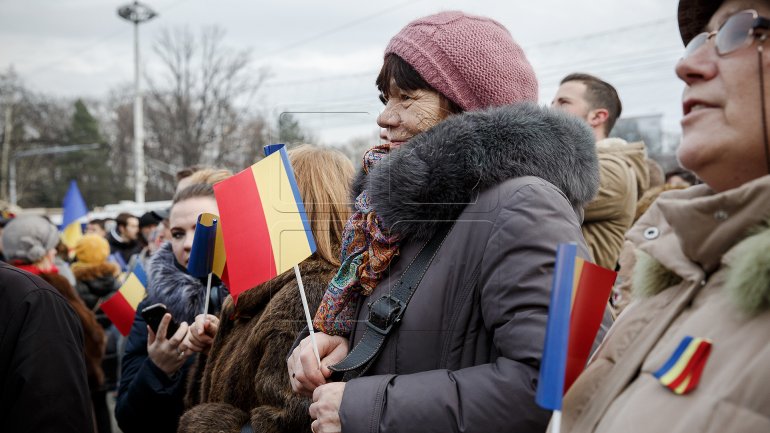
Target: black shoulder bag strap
[(386, 312)]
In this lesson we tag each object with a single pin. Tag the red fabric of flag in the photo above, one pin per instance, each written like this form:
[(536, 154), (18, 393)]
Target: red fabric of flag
[(120, 312), (250, 259), (590, 300)]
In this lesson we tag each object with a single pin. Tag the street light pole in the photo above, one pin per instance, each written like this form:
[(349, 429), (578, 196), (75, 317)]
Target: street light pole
[(138, 13)]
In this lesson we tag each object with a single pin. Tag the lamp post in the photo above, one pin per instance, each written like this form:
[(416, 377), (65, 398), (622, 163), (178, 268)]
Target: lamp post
[(138, 13)]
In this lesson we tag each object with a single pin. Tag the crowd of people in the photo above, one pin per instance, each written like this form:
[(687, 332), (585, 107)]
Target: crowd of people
[(431, 281)]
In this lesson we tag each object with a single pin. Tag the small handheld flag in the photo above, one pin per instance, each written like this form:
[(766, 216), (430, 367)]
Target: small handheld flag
[(266, 231), (579, 295), (207, 255), (121, 307), (268, 151), (201, 259), (590, 293), (74, 208)]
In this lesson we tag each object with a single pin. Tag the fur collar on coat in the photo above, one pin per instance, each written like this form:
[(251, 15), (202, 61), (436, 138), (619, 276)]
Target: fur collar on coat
[(732, 232), (169, 284), (437, 173)]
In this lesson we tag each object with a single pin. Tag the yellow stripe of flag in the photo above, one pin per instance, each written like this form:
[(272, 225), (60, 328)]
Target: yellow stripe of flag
[(677, 369), (72, 234), (133, 290), (284, 222), (576, 279), (218, 266)]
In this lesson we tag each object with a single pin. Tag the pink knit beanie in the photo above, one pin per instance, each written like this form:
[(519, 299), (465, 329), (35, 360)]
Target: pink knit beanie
[(471, 60)]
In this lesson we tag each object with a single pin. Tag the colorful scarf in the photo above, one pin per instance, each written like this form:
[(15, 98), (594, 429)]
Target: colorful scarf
[(367, 251)]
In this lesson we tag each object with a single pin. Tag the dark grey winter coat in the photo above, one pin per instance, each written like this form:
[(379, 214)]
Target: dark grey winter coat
[(467, 352)]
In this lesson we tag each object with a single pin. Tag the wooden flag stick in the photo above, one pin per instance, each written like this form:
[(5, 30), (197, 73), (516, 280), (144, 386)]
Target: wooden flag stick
[(208, 296), (307, 314)]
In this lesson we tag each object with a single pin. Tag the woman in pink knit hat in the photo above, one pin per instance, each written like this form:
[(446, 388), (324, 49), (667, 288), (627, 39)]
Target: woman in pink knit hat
[(436, 318)]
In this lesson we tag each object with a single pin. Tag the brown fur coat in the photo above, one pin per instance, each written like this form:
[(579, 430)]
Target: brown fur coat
[(244, 377)]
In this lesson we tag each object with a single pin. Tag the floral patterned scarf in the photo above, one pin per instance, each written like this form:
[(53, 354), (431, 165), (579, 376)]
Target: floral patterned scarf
[(367, 251)]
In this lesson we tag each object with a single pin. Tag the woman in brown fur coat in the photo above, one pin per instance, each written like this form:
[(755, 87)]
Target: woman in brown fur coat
[(244, 383)]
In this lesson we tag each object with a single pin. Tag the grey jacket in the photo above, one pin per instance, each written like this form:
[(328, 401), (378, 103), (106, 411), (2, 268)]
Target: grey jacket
[(467, 352)]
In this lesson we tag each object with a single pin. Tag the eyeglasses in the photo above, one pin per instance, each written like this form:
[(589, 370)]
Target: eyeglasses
[(737, 32)]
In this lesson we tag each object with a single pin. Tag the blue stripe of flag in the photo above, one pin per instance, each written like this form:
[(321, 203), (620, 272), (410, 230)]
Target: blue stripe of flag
[(202, 252), (141, 275), (674, 358), (269, 150), (553, 367)]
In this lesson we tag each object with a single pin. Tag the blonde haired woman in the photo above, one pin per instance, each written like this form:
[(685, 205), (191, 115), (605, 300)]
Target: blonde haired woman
[(244, 378)]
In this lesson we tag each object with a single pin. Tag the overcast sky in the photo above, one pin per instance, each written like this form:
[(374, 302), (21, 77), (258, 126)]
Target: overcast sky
[(324, 56)]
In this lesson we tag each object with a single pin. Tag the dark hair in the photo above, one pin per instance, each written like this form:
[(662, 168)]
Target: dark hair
[(394, 68), (97, 222), (149, 219), (122, 219), (599, 94)]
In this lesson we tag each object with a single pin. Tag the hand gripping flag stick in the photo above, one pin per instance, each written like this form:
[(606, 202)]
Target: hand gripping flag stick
[(307, 314), (265, 226)]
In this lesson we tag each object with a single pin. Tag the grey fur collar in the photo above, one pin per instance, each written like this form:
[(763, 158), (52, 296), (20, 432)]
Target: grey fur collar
[(747, 281), (437, 173), (182, 293)]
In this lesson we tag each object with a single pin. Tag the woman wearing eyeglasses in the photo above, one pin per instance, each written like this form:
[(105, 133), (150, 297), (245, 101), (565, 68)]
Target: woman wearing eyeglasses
[(693, 353)]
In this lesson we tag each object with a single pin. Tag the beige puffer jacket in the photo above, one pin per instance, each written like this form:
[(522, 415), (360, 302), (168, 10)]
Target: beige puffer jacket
[(624, 178), (703, 270)]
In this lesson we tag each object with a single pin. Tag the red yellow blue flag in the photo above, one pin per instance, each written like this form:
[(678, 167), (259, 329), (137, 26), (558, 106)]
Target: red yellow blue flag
[(682, 372), (121, 307), (265, 229), (208, 249), (579, 295)]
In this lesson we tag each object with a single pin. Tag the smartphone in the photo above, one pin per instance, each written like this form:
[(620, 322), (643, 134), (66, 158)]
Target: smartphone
[(153, 314)]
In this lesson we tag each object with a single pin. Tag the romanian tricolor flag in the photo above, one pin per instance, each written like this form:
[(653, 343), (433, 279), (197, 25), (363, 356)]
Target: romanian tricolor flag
[(682, 372), (121, 307), (266, 231), (208, 249), (579, 295), (74, 208)]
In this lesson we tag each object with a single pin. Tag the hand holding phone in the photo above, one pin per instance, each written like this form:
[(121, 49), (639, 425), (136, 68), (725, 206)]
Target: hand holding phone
[(153, 315)]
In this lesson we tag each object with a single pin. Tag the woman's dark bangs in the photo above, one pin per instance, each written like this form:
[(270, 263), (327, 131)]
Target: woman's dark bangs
[(394, 68)]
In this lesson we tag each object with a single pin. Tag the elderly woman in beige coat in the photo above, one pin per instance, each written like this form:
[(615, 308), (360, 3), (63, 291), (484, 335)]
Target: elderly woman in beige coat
[(703, 268)]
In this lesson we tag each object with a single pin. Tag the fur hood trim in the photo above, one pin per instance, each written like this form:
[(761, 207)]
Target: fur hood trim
[(167, 283), (437, 173), (747, 280), (83, 271)]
